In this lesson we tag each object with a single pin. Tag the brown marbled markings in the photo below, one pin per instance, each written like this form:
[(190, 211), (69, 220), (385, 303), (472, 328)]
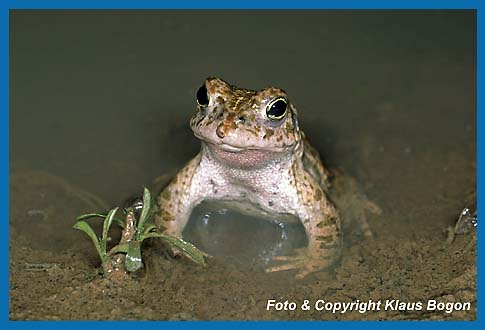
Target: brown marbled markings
[(324, 246), (289, 127), (166, 194), (325, 239), (166, 216), (330, 221), (318, 194), (269, 133)]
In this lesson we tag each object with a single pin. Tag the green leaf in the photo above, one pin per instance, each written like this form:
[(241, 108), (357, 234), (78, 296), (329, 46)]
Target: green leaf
[(120, 248), (86, 228), (187, 248), (149, 228), (106, 225), (145, 212), (133, 260), (118, 221)]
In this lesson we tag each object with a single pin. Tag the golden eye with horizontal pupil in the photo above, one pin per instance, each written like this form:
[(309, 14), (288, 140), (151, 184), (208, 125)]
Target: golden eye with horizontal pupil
[(276, 109), (202, 97)]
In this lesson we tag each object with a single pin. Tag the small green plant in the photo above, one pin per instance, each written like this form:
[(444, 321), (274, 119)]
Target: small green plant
[(126, 255)]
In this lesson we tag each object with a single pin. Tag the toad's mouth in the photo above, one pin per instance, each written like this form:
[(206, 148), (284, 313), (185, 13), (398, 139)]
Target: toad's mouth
[(228, 147)]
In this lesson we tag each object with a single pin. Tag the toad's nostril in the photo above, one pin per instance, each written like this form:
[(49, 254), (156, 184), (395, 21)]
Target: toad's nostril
[(220, 130), (241, 120)]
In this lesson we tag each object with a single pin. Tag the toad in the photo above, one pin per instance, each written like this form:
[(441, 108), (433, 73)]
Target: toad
[(255, 157)]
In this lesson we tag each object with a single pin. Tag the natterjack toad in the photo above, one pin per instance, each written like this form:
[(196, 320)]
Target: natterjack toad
[(255, 157)]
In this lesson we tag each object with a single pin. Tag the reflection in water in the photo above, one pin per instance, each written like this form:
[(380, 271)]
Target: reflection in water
[(226, 233)]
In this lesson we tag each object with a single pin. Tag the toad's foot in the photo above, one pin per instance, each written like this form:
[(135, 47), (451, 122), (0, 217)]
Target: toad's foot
[(304, 261)]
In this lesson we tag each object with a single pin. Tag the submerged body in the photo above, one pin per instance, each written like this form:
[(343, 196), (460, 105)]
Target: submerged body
[(255, 157)]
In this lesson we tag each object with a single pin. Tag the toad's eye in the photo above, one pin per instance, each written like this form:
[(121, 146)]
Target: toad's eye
[(276, 109), (202, 97)]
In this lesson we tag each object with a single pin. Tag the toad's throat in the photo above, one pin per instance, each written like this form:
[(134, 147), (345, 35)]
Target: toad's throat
[(243, 157)]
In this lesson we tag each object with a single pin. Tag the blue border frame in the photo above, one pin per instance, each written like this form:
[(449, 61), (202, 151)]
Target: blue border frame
[(246, 4), (6, 5)]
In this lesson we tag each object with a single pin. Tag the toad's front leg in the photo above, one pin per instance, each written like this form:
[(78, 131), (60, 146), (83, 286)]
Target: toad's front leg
[(177, 200), (322, 252), (322, 226)]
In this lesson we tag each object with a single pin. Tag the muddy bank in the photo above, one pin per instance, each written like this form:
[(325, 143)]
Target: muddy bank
[(60, 281)]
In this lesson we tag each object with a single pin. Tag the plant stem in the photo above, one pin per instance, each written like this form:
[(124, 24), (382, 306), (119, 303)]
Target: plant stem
[(127, 235), (115, 267)]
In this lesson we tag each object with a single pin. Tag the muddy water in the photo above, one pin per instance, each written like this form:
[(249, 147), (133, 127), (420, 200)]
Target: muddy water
[(100, 103)]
